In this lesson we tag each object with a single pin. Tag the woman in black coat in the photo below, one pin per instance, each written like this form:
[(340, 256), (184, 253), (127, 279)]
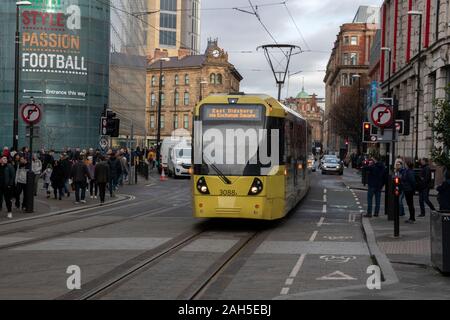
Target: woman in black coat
[(58, 179)]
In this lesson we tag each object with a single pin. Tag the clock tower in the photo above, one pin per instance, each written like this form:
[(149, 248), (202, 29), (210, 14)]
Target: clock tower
[(214, 53)]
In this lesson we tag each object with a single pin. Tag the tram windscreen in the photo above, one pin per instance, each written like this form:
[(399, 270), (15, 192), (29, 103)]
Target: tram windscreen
[(232, 141)]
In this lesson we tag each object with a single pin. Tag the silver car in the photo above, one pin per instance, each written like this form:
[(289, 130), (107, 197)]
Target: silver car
[(332, 165)]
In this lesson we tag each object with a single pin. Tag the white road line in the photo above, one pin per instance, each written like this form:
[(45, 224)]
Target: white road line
[(358, 203), (285, 291), (324, 198), (313, 237), (321, 222), (324, 209), (297, 266), (325, 191), (360, 207), (289, 281)]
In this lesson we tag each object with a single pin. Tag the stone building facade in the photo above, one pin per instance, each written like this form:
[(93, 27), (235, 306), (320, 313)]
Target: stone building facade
[(186, 80), (400, 33), (349, 57)]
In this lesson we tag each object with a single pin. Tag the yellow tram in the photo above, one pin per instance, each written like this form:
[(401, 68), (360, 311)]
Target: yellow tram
[(250, 158)]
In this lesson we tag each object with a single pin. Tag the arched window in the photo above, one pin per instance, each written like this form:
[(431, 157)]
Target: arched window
[(152, 99), (219, 79), (177, 80), (163, 99), (186, 79), (153, 81), (177, 98), (163, 80), (212, 78), (186, 98)]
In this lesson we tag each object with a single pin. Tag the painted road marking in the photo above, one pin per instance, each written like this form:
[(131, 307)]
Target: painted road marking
[(338, 259), (338, 237), (325, 191), (313, 237), (289, 281), (337, 275), (324, 209), (284, 291), (324, 198), (321, 222)]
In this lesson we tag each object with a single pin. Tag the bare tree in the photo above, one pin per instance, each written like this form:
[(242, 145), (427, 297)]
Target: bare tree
[(348, 114)]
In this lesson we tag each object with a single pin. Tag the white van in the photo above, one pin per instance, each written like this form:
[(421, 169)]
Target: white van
[(169, 143), (180, 160)]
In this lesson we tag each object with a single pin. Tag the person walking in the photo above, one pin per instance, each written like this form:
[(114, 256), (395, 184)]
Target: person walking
[(21, 183), (115, 170), (375, 180), (79, 175), (67, 168), (93, 187), (57, 179), (424, 187), (408, 184), (46, 176), (36, 167), (399, 168), (6, 184), (101, 177)]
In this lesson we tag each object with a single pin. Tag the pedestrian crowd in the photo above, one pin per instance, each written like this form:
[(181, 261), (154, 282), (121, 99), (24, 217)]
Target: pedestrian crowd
[(412, 182), (74, 171)]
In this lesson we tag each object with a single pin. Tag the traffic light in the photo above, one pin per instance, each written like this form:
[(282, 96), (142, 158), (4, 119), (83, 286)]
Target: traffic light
[(110, 125), (397, 181), (366, 132)]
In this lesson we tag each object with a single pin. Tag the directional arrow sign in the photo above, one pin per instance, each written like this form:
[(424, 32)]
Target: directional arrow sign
[(337, 275), (382, 115)]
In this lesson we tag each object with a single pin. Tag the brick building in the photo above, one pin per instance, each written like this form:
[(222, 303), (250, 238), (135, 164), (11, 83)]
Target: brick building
[(307, 105), (349, 57), (186, 79), (400, 33)]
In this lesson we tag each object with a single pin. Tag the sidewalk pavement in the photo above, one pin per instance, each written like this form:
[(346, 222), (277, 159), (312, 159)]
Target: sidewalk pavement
[(409, 256)]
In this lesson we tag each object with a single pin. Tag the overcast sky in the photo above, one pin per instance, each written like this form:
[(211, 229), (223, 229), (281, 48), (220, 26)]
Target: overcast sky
[(318, 22)]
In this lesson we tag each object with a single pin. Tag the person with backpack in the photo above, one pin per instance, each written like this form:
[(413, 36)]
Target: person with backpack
[(375, 179), (80, 175), (424, 186), (408, 186)]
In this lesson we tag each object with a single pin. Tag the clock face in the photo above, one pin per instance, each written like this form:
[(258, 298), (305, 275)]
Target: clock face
[(216, 53)]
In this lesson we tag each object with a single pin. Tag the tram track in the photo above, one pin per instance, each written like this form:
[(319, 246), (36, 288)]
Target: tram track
[(109, 282)]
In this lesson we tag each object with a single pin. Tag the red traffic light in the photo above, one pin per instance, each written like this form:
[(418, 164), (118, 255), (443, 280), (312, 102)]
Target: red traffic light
[(366, 126), (397, 181)]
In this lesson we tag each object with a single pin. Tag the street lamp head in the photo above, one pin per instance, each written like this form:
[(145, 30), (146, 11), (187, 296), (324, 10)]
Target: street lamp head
[(203, 82), (23, 3), (415, 13), (386, 49), (356, 76), (164, 59)]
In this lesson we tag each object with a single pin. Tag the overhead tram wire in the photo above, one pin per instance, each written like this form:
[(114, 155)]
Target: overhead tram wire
[(296, 26)]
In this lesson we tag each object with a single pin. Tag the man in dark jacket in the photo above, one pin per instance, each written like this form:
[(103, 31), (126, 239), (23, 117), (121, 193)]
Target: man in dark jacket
[(80, 174), (7, 175), (101, 177), (424, 187), (408, 182), (67, 168), (115, 170), (375, 180)]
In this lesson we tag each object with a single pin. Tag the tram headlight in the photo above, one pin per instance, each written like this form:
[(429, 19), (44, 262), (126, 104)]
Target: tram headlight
[(202, 187), (256, 188)]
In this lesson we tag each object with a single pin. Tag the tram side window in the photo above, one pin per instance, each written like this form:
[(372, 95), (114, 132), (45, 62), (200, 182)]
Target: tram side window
[(288, 146)]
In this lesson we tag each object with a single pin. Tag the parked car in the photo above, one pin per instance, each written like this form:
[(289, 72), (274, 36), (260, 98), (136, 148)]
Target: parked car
[(332, 165), (179, 163), (312, 163), (169, 143)]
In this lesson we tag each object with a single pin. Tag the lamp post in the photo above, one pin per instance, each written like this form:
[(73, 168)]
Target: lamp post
[(389, 51), (16, 76), (417, 13), (357, 76), (158, 135)]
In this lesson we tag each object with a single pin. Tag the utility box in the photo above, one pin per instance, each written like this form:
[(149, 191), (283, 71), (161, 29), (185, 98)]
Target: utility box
[(440, 240)]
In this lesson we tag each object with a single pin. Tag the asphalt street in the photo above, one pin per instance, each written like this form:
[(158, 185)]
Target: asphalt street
[(150, 247)]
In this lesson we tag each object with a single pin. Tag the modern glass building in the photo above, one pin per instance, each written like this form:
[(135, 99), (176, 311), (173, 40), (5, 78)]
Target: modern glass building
[(64, 67)]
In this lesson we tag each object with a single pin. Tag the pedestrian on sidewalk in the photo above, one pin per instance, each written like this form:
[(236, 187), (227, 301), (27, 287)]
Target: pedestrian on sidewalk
[(93, 187), (399, 168), (424, 187), (115, 170), (36, 167), (101, 176), (67, 168), (46, 176), (375, 180), (21, 183), (57, 179), (7, 175), (80, 176), (408, 184)]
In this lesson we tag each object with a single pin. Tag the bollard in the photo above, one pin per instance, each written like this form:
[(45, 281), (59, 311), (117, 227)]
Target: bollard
[(29, 192)]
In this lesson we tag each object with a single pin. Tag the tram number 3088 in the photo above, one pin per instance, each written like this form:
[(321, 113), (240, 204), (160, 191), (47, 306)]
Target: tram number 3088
[(228, 193)]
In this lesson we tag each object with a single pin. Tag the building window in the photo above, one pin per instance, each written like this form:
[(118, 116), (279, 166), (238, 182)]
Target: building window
[(175, 121), (344, 79), (353, 59), (346, 40), (177, 98), (186, 121), (168, 20), (177, 80), (152, 121), (163, 99), (168, 5), (354, 41), (186, 79), (219, 79), (152, 99), (212, 78), (186, 98), (163, 80), (345, 59), (167, 38), (153, 81), (163, 121)]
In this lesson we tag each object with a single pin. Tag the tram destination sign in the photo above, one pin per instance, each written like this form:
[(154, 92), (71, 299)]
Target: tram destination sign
[(227, 112)]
